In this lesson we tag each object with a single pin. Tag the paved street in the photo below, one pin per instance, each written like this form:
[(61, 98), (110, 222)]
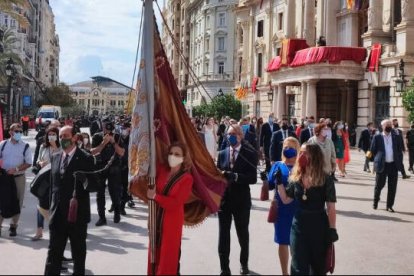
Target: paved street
[(370, 241)]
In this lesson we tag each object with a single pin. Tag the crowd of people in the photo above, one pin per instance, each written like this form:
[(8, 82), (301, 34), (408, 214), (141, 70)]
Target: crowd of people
[(301, 162)]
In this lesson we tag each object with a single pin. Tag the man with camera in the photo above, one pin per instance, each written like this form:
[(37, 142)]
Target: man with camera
[(106, 146)]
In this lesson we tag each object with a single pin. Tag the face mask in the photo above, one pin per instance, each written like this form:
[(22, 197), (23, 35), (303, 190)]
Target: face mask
[(174, 161), (311, 125), (66, 143), (284, 126), (340, 126), (232, 139), (17, 136), (125, 132), (85, 141), (52, 138), (254, 121), (388, 129), (271, 120), (396, 126), (303, 162), (290, 152)]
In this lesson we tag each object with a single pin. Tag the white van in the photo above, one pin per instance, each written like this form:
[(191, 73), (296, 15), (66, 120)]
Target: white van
[(49, 113)]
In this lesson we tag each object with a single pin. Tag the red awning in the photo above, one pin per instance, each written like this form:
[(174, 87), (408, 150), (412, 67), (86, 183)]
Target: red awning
[(274, 64), (332, 54)]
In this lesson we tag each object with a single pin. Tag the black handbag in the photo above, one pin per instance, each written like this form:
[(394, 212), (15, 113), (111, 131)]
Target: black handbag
[(9, 204), (41, 183)]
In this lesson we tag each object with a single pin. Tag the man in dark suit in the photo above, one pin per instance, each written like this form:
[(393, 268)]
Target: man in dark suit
[(96, 126), (307, 132), (238, 162), (387, 150), (63, 165), (276, 143), (399, 134), (364, 143), (266, 133)]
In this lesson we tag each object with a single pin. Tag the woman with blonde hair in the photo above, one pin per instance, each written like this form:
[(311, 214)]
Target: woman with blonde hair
[(283, 222), (313, 227), (173, 187)]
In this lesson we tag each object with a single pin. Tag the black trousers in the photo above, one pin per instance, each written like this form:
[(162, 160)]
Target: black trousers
[(411, 157), (390, 171), (58, 239), (366, 164), (125, 194), (115, 191), (241, 220)]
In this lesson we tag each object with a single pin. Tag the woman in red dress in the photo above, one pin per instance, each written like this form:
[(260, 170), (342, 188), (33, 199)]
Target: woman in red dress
[(173, 187)]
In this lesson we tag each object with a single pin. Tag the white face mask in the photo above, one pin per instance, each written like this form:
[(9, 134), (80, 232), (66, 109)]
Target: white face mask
[(52, 138), (85, 141), (125, 132), (175, 161)]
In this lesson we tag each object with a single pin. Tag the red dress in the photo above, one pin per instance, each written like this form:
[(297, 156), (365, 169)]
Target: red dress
[(172, 227)]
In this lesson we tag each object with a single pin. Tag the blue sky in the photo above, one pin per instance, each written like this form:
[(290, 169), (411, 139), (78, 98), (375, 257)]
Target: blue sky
[(97, 37)]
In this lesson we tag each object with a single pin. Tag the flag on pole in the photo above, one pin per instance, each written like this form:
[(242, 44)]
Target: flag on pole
[(171, 123)]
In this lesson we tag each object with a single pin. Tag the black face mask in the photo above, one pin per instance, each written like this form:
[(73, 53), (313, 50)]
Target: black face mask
[(396, 125), (284, 126), (388, 129)]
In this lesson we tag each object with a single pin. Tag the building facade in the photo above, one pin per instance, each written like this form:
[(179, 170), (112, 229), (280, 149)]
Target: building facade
[(325, 58), (101, 95), (204, 31), (37, 46)]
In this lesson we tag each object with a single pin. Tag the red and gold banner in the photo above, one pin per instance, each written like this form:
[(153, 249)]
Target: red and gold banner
[(171, 123)]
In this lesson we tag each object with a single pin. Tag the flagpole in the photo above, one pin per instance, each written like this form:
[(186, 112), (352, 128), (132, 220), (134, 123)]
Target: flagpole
[(148, 52)]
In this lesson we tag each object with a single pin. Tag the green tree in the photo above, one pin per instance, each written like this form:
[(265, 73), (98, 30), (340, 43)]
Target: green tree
[(7, 45), (408, 101), (220, 106), (57, 95)]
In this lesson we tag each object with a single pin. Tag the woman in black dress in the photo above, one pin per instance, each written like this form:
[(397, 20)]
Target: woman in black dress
[(313, 226)]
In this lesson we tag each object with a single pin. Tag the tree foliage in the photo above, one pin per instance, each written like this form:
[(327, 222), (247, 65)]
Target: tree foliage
[(220, 106), (408, 101), (7, 45), (56, 95)]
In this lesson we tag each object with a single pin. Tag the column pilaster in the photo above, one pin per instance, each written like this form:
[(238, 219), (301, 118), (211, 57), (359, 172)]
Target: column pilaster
[(311, 100)]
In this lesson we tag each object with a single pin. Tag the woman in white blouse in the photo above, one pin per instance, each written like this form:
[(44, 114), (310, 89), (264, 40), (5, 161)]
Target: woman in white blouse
[(48, 148)]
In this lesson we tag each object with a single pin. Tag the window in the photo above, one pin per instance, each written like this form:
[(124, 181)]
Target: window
[(206, 68), (278, 49), (260, 28), (280, 16), (259, 65), (207, 47), (240, 67), (222, 19), (82, 102), (241, 36), (221, 43), (208, 21), (221, 68)]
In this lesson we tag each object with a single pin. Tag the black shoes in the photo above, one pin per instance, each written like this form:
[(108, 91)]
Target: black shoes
[(117, 217), (123, 212), (375, 205), (111, 209), (67, 260), (225, 272), (131, 204), (244, 270), (406, 176), (389, 209), (100, 222), (12, 231)]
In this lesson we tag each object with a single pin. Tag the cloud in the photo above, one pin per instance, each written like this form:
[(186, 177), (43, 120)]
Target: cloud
[(97, 37)]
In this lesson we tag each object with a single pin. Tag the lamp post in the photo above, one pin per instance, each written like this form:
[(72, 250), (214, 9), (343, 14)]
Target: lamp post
[(400, 81), (220, 93), (270, 95), (11, 75)]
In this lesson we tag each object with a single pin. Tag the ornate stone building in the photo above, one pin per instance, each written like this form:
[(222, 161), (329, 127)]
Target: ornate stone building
[(205, 33), (352, 78), (101, 95)]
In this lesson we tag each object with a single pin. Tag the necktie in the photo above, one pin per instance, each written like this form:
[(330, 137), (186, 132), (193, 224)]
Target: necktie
[(233, 158), (311, 132), (65, 164)]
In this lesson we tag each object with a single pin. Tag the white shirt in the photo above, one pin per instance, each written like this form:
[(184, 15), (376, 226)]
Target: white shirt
[(71, 153), (285, 133), (12, 155), (389, 154)]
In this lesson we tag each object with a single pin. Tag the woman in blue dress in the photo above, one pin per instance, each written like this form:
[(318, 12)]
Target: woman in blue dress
[(286, 211)]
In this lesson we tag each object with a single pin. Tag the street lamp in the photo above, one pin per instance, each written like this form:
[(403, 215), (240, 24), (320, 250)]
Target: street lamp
[(220, 93), (400, 81), (270, 93), (11, 74)]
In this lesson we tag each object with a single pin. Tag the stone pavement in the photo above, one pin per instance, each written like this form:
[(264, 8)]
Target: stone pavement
[(370, 241)]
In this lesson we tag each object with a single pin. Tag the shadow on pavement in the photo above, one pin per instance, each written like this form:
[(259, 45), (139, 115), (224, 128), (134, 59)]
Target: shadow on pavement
[(353, 184), (115, 246), (356, 198), (357, 214)]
